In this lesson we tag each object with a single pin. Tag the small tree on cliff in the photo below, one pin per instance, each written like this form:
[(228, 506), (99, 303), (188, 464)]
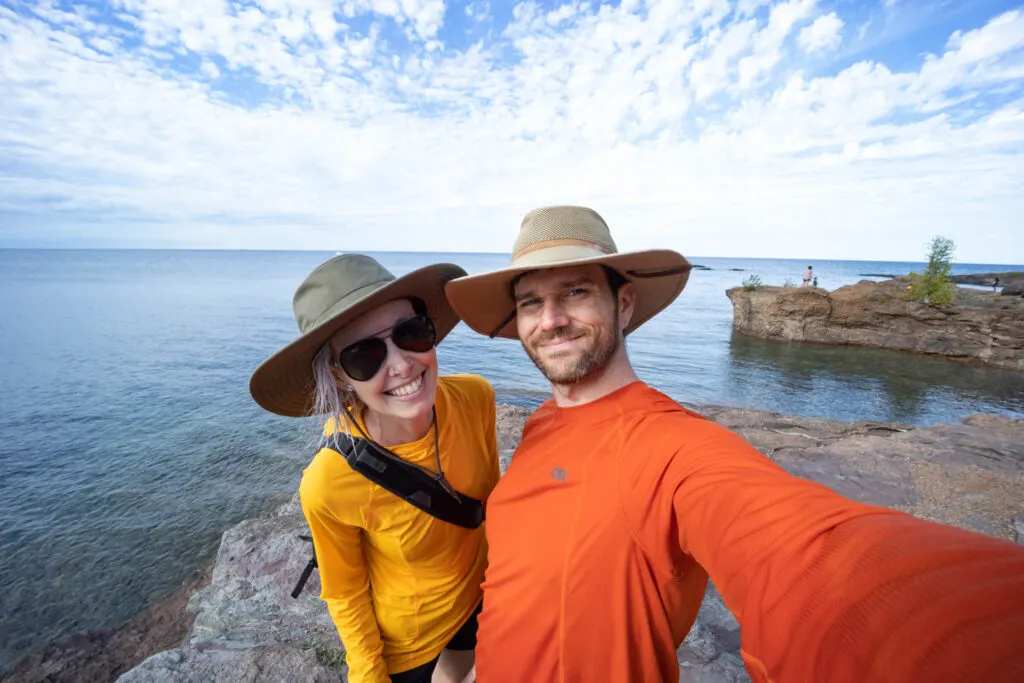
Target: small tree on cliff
[(934, 286)]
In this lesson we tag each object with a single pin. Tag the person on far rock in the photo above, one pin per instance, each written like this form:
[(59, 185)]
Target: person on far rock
[(808, 276), (619, 503), (401, 559)]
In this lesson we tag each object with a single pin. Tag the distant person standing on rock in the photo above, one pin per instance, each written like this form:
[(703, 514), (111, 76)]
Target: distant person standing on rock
[(393, 496), (619, 503), (995, 284), (808, 276)]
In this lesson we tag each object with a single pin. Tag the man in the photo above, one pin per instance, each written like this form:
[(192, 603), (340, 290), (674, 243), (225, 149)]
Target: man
[(619, 503), (808, 276)]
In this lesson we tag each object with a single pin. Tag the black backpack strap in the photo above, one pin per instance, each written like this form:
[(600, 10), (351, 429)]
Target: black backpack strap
[(306, 572), (410, 483), (407, 481)]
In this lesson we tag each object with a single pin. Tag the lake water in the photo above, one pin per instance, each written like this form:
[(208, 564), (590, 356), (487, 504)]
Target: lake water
[(129, 442)]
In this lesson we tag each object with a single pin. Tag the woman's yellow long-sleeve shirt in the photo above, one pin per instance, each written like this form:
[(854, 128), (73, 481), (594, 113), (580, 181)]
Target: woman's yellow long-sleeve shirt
[(398, 582)]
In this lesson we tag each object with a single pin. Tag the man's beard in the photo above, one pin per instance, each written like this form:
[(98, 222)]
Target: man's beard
[(588, 365)]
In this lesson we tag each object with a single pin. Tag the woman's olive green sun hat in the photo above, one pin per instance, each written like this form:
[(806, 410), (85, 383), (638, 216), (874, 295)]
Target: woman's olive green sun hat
[(336, 293)]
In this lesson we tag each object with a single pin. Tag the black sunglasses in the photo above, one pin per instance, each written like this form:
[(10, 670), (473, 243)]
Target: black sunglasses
[(363, 359)]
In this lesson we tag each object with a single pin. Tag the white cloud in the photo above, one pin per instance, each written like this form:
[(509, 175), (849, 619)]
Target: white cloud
[(746, 8), (210, 70), (767, 51), (989, 54), (478, 10), (824, 34), (689, 125), (713, 73)]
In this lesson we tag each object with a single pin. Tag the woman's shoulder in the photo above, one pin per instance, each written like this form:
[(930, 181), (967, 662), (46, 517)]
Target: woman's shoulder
[(467, 387), (326, 476)]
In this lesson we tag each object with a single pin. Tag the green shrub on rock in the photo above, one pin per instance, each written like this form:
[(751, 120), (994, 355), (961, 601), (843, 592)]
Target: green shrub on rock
[(751, 282), (934, 286)]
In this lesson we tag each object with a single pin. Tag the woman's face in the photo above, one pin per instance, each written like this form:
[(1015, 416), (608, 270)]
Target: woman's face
[(405, 385)]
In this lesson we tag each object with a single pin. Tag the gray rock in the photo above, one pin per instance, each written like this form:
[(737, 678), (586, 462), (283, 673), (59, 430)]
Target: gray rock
[(716, 618), (1013, 290), (293, 508), (710, 653), (231, 664), (510, 421), (700, 644), (728, 668), (249, 597), (989, 442), (1018, 525), (855, 469)]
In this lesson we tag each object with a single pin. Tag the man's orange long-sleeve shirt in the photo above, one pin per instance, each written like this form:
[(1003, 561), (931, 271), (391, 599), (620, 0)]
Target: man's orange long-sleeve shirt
[(610, 518)]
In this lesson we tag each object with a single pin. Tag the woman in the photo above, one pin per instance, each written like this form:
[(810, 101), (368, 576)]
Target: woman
[(402, 586)]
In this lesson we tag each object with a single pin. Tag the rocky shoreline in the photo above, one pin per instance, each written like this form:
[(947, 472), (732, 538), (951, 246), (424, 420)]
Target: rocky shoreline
[(1010, 284), (240, 623), (979, 326)]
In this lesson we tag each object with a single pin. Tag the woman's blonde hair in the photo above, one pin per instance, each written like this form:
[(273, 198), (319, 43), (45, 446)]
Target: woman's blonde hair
[(329, 399)]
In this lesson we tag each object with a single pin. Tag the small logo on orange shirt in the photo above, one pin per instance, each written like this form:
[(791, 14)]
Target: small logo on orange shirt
[(558, 474)]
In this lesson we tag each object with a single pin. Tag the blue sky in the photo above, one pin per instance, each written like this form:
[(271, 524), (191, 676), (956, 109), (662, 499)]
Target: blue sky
[(804, 128)]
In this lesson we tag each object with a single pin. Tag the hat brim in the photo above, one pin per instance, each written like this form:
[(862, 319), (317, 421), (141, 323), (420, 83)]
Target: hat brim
[(485, 302), (284, 383)]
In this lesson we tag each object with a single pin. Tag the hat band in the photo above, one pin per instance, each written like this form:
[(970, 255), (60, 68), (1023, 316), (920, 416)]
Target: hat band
[(567, 242), (556, 251)]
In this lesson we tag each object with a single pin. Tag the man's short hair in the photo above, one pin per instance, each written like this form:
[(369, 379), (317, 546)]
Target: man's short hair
[(614, 278)]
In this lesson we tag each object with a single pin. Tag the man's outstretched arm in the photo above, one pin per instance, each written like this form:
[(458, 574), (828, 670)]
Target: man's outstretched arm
[(826, 589)]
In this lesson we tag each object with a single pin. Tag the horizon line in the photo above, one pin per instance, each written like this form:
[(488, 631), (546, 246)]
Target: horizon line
[(461, 253)]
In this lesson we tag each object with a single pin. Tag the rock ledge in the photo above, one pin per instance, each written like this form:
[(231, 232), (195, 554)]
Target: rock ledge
[(980, 326)]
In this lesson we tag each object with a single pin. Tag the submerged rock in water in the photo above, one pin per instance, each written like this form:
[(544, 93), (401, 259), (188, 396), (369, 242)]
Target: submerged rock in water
[(978, 326), (248, 628)]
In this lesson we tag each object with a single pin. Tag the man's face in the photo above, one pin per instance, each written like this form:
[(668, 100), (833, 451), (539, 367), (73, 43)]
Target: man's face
[(569, 321)]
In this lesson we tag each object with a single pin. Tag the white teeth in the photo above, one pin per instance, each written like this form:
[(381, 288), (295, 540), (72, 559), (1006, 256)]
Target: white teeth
[(407, 389)]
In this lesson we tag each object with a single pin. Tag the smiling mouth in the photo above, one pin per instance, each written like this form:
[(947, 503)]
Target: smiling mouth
[(556, 343), (407, 389)]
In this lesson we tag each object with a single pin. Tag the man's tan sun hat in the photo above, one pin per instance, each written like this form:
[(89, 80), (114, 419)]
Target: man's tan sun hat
[(556, 236), (336, 293)]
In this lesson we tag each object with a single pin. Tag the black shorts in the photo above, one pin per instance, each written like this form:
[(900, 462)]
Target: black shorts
[(464, 639)]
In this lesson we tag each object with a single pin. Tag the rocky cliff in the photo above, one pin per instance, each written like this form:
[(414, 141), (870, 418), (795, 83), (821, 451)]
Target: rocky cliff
[(1011, 284), (980, 326), (248, 628)]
